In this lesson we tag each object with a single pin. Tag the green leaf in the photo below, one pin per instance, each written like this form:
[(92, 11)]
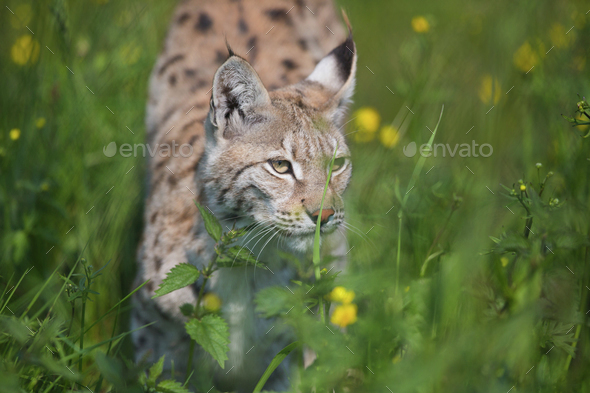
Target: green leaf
[(421, 160), (155, 371), (276, 361), (211, 224), (212, 334), (187, 309), (273, 301), (234, 234), (170, 386), (110, 369), (178, 277), (238, 256)]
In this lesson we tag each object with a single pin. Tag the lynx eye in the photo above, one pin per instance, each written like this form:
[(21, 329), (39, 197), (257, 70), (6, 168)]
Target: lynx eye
[(338, 163), (281, 166)]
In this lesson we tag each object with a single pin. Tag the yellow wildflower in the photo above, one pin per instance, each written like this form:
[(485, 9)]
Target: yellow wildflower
[(40, 122), (14, 134), (344, 315), (340, 294), (130, 54), (525, 57), (367, 118), (388, 136), (504, 261), (489, 87), (25, 49), (522, 187), (366, 121), (558, 37), (211, 302), (420, 24)]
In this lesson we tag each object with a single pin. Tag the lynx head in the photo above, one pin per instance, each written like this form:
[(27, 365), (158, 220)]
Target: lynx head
[(268, 153)]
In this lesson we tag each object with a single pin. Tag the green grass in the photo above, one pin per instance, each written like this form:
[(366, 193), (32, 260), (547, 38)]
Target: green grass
[(441, 305)]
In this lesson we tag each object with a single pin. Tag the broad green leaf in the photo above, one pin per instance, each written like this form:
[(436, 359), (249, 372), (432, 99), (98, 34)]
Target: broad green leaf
[(170, 386), (212, 334), (178, 277), (273, 301), (238, 256), (211, 224), (155, 371), (276, 361)]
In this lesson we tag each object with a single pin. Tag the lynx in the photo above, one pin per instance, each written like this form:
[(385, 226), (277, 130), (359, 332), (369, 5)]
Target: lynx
[(264, 123)]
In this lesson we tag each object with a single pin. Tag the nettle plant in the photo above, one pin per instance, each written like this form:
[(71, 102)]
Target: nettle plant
[(532, 272), (210, 331), (581, 117)]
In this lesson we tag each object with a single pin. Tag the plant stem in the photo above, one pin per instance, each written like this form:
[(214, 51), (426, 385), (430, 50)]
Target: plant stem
[(82, 332), (189, 365), (320, 299), (73, 302), (205, 273), (399, 245)]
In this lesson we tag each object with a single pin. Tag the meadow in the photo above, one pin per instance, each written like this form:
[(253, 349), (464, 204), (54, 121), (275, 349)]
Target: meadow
[(469, 265)]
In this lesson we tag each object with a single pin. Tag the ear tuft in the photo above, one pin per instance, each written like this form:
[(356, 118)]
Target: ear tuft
[(347, 21), (229, 49)]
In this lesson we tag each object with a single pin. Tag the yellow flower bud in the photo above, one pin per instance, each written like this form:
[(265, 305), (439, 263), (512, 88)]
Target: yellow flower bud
[(25, 49), (489, 90), (366, 122), (340, 294), (420, 24), (525, 58), (40, 122), (344, 315), (14, 134), (211, 302), (388, 136), (522, 187)]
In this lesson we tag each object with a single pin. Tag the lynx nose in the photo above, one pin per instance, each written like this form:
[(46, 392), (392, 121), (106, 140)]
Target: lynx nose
[(327, 215)]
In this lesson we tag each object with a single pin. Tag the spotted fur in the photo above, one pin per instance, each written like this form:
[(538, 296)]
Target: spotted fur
[(281, 95)]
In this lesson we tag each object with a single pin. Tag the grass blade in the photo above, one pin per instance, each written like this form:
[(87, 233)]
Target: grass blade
[(276, 361)]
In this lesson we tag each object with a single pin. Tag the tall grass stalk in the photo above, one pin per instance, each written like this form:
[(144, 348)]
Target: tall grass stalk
[(411, 184), (316, 239)]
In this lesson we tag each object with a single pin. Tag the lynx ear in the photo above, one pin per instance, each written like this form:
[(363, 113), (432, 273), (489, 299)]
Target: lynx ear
[(238, 94), (336, 74)]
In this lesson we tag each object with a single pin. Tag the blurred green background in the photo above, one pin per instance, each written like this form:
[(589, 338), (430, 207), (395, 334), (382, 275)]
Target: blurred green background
[(465, 320)]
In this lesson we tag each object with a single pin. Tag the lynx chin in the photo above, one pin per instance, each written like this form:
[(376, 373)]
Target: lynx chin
[(264, 122)]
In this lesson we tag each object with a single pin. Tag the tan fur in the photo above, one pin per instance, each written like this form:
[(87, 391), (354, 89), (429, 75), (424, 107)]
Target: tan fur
[(228, 171)]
